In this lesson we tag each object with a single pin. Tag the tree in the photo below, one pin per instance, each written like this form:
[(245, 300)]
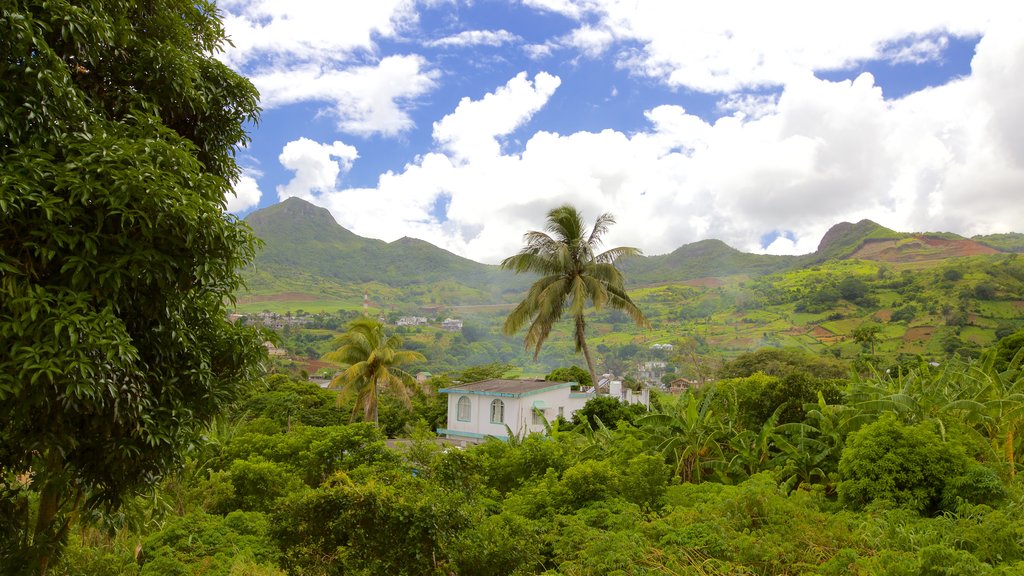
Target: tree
[(570, 374), (867, 335), (118, 263), (371, 360), (572, 274)]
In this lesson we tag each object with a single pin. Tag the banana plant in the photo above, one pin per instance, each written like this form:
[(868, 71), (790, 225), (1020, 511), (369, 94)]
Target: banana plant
[(688, 434)]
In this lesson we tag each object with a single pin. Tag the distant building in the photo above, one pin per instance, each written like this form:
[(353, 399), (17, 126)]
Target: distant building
[(411, 321), (274, 350), (662, 347), (651, 372), (482, 409), (451, 325)]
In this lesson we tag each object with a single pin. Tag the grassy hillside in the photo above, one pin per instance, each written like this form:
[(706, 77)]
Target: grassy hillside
[(306, 252)]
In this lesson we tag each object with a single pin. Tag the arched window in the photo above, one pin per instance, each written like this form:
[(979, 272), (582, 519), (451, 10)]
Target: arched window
[(497, 412), (465, 409)]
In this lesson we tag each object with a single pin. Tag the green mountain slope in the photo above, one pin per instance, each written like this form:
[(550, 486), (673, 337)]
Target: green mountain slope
[(303, 242), (703, 259)]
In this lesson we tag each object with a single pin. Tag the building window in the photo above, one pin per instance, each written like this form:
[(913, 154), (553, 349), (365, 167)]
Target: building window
[(497, 412), (465, 409), (561, 411), (538, 417)]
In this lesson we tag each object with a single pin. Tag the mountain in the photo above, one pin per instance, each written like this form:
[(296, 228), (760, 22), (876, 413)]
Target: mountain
[(302, 240), (306, 252), (703, 259)]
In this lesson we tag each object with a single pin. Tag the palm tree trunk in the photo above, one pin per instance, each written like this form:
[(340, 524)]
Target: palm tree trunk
[(1011, 458), (580, 337)]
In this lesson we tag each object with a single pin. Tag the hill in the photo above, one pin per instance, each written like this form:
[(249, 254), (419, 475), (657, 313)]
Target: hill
[(304, 246), (703, 259)]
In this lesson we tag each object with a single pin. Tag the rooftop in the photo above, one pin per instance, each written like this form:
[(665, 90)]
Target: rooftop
[(502, 387)]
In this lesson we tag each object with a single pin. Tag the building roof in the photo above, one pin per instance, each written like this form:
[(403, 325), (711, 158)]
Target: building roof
[(502, 387)]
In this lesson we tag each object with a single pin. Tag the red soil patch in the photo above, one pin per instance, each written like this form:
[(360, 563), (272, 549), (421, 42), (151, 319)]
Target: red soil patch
[(919, 249), (820, 332), (705, 282), (313, 366), (282, 297), (919, 333), (883, 315)]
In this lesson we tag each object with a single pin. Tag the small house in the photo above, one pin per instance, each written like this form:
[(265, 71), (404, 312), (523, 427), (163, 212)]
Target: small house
[(482, 409)]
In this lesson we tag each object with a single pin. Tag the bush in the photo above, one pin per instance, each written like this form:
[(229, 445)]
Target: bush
[(908, 465)]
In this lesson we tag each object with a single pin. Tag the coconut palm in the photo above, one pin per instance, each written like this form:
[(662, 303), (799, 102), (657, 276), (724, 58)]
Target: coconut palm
[(371, 361), (572, 274)]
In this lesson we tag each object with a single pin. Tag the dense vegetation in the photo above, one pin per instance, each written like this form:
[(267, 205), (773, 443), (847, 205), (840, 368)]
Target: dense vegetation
[(118, 130), (793, 473)]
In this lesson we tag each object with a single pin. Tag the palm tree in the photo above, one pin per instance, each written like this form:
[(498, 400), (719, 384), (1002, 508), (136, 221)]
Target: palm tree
[(371, 360), (572, 274)]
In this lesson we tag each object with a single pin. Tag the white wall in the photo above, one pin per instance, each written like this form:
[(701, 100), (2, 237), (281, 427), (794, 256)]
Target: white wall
[(518, 412)]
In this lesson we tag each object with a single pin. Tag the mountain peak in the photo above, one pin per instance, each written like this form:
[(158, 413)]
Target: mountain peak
[(844, 238)]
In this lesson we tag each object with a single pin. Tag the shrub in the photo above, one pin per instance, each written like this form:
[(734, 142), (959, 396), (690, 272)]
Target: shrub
[(908, 465)]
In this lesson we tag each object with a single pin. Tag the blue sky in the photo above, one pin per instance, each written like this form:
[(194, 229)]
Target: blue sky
[(761, 124)]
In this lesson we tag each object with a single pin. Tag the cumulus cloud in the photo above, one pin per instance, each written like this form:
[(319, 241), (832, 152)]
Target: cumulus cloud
[(307, 30), (317, 167), (724, 47), (246, 193), (472, 129), (475, 38), (365, 100), (308, 51)]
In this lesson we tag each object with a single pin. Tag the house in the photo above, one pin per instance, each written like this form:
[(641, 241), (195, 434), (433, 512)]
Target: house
[(411, 321), (451, 325), (662, 347), (482, 409), (651, 372)]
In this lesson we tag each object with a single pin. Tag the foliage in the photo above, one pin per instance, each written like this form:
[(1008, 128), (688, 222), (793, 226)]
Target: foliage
[(118, 129), (608, 411), (571, 374), (783, 362), (207, 544), (572, 273), (918, 456), (907, 465)]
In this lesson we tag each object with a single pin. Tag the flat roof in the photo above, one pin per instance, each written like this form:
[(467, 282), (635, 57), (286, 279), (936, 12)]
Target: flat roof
[(503, 387)]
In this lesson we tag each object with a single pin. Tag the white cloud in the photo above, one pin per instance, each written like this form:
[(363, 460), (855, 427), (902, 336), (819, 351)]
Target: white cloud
[(365, 99), (309, 51), (471, 130), (317, 167), (246, 193), (476, 38), (308, 30), (723, 47)]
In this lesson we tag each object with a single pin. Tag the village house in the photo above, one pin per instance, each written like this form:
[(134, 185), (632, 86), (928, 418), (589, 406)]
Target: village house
[(451, 325), (482, 409), (411, 321)]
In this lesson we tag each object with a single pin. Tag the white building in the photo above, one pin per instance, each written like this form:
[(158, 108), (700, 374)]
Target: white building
[(482, 409)]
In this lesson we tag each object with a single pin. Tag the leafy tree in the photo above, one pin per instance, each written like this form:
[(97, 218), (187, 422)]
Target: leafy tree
[(908, 465), (783, 362), (867, 335), (484, 372), (609, 411), (571, 374), (853, 289), (118, 129), (371, 359), (572, 274)]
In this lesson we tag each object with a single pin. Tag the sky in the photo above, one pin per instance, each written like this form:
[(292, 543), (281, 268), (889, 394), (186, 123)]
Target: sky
[(761, 124)]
